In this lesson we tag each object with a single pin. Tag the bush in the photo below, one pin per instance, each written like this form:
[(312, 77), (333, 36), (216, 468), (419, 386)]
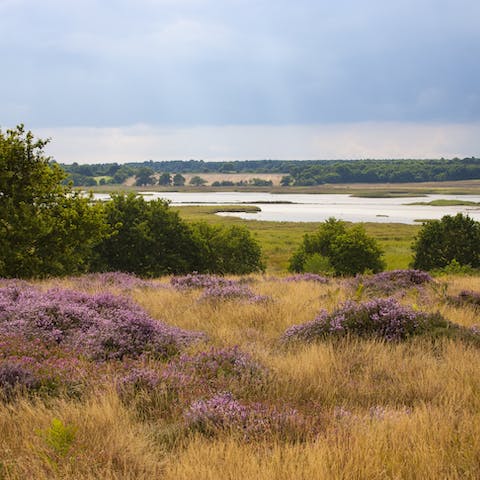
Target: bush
[(451, 239), (380, 318), (334, 247), (101, 327), (392, 281)]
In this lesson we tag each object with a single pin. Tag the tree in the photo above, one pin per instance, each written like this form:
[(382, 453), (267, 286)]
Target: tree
[(144, 176), (346, 251), (45, 227), (147, 238), (228, 250), (178, 180), (441, 242), (197, 181), (286, 180), (165, 179)]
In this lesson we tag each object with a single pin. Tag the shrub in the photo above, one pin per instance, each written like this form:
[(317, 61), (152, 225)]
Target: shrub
[(223, 412), (196, 280), (334, 247), (381, 318), (101, 326), (467, 297), (15, 377), (220, 364), (232, 291), (453, 238), (306, 277), (392, 281)]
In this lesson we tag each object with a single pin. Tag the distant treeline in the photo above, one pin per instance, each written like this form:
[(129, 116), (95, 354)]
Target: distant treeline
[(297, 172)]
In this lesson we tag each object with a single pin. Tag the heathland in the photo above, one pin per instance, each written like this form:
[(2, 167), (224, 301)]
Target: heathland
[(110, 376)]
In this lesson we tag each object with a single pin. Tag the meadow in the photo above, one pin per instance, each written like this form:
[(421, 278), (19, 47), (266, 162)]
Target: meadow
[(257, 377), (279, 240)]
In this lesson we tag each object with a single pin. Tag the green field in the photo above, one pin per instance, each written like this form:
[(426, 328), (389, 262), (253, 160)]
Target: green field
[(280, 239)]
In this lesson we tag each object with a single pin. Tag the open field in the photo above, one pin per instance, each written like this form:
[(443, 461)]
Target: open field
[(338, 408), (463, 187), (218, 177), (279, 240)]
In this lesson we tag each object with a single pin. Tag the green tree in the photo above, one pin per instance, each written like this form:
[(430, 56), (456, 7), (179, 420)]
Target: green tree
[(178, 180), (165, 179), (144, 176), (45, 227), (346, 251), (286, 180), (197, 181), (148, 238), (228, 250), (451, 239)]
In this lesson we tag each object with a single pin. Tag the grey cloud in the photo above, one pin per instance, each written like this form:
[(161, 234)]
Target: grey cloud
[(204, 62)]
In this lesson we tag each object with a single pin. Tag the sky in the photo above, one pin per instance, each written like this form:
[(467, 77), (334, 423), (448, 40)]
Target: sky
[(134, 80)]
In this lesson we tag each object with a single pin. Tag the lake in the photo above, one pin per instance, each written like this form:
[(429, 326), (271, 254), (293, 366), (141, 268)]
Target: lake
[(319, 207)]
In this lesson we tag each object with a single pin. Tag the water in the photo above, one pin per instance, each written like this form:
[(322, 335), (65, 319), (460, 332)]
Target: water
[(319, 207)]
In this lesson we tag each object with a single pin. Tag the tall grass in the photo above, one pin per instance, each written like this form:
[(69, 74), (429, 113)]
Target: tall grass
[(371, 409)]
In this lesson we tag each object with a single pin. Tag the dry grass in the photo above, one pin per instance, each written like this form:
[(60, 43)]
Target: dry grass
[(387, 411)]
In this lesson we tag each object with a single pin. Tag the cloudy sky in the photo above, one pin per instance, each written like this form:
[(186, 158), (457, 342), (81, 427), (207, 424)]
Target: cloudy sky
[(131, 80)]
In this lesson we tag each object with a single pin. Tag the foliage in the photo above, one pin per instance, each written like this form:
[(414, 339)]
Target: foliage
[(453, 238), (178, 180), (144, 176), (165, 179), (45, 228), (392, 281), (197, 181), (223, 412), (102, 327), (312, 172), (306, 277), (380, 318), (195, 280), (228, 250), (59, 437), (345, 250), (231, 291), (147, 238)]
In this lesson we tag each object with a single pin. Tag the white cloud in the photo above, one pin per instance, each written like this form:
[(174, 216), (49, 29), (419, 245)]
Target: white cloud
[(337, 141)]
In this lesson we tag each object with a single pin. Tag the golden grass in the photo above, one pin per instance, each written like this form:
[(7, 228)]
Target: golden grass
[(108, 444), (387, 411)]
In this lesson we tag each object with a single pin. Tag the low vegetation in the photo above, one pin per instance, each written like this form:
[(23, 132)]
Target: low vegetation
[(323, 378)]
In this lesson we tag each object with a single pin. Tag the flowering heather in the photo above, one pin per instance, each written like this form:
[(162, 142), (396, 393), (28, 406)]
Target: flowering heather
[(141, 379), (14, 376), (467, 297), (216, 365), (306, 277), (233, 291), (392, 281), (223, 412), (101, 326), (120, 280), (196, 280), (380, 318)]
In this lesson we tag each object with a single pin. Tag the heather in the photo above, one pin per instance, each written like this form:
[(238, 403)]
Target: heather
[(306, 277), (120, 383), (466, 297), (390, 282), (383, 318), (101, 326)]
